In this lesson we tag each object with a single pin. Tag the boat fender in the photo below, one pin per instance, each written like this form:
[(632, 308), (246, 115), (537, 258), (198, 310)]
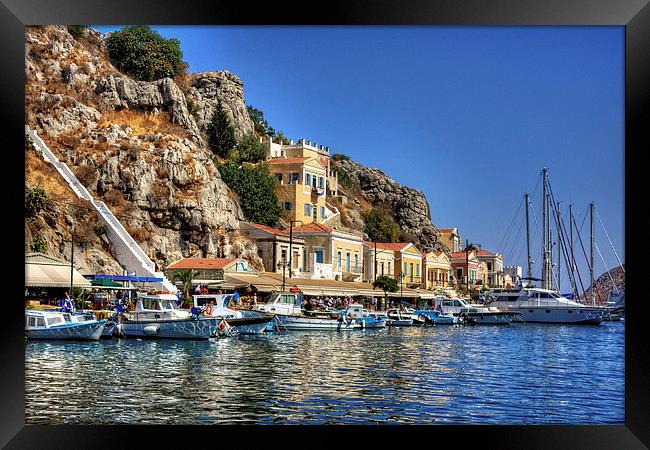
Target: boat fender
[(150, 330), (208, 310)]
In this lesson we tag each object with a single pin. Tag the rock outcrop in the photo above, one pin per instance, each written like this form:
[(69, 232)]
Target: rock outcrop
[(408, 206), (136, 146)]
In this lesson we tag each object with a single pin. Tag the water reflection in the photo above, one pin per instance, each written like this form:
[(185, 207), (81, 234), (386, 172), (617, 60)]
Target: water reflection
[(510, 374)]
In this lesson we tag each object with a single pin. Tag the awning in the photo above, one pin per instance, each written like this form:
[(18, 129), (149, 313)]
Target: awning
[(50, 275), (103, 282)]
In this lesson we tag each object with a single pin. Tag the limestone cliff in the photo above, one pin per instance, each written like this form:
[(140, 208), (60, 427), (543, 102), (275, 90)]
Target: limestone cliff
[(136, 146), (408, 206)]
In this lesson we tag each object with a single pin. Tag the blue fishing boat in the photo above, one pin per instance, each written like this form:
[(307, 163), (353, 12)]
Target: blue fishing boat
[(436, 317)]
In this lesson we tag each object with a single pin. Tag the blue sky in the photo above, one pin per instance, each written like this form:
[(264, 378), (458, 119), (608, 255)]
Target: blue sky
[(468, 115)]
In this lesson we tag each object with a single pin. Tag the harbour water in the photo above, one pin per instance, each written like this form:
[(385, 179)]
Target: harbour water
[(516, 374)]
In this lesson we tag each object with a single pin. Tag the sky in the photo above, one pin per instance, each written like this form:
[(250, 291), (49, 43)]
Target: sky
[(467, 115)]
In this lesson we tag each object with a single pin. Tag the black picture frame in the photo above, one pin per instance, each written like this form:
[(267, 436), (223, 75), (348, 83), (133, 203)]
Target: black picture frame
[(634, 15)]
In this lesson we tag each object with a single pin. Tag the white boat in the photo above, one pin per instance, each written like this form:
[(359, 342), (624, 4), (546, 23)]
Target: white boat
[(398, 318), (243, 321), (615, 305), (476, 314), (157, 316), (289, 315), (62, 325), (537, 305)]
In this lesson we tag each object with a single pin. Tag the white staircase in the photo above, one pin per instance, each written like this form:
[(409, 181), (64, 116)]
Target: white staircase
[(129, 254)]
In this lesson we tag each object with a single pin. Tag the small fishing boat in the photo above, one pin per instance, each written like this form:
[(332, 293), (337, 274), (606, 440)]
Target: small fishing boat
[(289, 315), (62, 325), (476, 314), (436, 317), (243, 321), (398, 318), (157, 316)]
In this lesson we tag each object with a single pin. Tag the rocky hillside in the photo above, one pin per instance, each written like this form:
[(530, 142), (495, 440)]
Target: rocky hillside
[(603, 285), (133, 144), (408, 206)]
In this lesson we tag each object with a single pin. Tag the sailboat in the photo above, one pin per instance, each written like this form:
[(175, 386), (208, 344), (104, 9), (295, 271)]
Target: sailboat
[(545, 304)]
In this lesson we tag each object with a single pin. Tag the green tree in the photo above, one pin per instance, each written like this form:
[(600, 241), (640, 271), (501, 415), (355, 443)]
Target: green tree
[(250, 149), (145, 54), (35, 200), (380, 226), (39, 244), (259, 122), (279, 136), (385, 283), (77, 30), (186, 277), (256, 189), (221, 135)]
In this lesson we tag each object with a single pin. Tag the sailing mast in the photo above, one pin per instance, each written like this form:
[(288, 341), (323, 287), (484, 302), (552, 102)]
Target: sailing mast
[(546, 277), (530, 266), (559, 249), (591, 251)]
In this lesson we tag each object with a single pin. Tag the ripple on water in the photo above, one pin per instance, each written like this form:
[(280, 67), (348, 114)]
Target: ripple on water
[(519, 374)]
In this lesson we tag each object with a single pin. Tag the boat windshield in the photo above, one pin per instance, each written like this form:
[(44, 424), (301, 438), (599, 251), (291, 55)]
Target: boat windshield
[(167, 304), (150, 303)]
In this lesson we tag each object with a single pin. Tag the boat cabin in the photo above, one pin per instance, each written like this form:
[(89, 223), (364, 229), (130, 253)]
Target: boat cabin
[(285, 303), (216, 305), (158, 306)]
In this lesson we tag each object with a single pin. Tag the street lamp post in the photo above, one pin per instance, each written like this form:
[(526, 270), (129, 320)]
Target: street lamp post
[(61, 249), (283, 264)]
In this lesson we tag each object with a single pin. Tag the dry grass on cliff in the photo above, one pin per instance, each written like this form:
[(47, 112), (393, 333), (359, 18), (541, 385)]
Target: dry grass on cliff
[(142, 123), (40, 173)]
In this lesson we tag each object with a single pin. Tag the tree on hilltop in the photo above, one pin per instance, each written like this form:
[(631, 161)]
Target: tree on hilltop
[(144, 54), (221, 135)]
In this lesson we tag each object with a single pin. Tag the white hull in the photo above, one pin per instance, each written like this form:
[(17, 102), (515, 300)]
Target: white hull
[(91, 330), (314, 323), (555, 314), (174, 329)]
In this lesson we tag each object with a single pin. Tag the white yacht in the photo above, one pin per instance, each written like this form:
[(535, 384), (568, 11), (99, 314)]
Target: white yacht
[(476, 314), (538, 305)]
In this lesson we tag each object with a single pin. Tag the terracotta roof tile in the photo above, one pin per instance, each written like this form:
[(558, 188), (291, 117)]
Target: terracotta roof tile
[(271, 230), (312, 228), (201, 263)]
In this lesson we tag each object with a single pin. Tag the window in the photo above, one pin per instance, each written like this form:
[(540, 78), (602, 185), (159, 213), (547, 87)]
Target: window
[(417, 271), (307, 179), (315, 211), (388, 268), (307, 209), (322, 212), (40, 322), (278, 176), (53, 320), (338, 260), (313, 181), (404, 269), (411, 273), (32, 321), (319, 255), (294, 177), (287, 206), (459, 273), (167, 304), (150, 303), (356, 262), (347, 261), (382, 268), (321, 182)]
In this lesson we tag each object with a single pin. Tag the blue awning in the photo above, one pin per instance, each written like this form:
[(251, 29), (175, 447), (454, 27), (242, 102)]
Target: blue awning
[(124, 278)]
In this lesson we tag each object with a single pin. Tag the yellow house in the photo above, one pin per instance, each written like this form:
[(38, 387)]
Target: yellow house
[(382, 265), (302, 187), (330, 253), (300, 149), (451, 238), (437, 269), (406, 261)]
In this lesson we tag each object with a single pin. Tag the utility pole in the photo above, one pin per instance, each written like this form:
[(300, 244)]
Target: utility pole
[(375, 269), (467, 264)]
